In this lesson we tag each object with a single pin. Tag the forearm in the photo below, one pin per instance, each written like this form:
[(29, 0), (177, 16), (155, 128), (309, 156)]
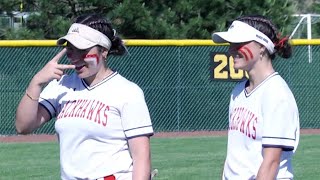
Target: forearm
[(268, 170), (141, 169), (140, 152), (27, 112)]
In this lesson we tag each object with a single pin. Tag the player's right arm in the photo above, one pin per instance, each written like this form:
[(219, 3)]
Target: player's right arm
[(30, 115)]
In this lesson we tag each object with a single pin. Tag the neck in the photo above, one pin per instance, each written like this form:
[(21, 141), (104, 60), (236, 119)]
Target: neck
[(95, 79), (259, 73)]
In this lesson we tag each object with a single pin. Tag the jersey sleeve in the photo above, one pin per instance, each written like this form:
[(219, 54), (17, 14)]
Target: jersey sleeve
[(281, 123), (49, 98), (136, 119)]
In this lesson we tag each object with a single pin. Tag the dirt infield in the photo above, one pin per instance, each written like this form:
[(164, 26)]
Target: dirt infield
[(49, 138)]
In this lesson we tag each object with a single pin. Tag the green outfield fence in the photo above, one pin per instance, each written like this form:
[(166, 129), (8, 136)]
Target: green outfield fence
[(177, 77)]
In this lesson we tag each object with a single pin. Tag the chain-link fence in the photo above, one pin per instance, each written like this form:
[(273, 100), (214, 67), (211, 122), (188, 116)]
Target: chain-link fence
[(179, 90)]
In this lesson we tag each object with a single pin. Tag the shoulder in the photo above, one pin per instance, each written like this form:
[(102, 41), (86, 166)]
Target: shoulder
[(126, 86), (277, 91), (277, 86)]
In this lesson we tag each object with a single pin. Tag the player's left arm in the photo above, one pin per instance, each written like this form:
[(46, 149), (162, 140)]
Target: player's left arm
[(140, 152), (281, 119), (269, 167), (137, 126)]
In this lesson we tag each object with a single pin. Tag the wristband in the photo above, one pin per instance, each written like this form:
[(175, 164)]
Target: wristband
[(32, 98)]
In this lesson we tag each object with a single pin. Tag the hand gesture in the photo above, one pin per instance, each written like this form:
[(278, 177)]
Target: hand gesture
[(52, 70)]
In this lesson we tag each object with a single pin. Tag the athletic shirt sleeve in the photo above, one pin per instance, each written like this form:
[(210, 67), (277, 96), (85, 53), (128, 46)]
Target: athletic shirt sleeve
[(49, 97), (135, 114), (280, 120)]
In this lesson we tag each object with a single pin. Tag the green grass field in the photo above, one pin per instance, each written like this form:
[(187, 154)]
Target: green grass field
[(192, 158)]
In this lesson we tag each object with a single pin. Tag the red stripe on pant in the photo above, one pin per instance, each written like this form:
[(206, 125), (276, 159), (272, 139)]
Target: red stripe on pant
[(111, 177)]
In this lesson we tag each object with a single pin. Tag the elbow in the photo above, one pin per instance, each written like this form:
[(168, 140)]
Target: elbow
[(20, 129)]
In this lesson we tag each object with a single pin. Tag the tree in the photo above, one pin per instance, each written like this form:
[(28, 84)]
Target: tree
[(315, 9), (141, 19)]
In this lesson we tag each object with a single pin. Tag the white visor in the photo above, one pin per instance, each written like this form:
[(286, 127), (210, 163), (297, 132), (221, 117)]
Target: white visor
[(240, 32), (84, 37)]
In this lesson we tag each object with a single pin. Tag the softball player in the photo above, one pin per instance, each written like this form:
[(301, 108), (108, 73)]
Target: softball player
[(263, 115), (102, 120)]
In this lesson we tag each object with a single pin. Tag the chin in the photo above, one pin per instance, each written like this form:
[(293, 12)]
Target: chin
[(237, 66)]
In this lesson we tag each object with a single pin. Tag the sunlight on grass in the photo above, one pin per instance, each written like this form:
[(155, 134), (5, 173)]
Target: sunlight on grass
[(192, 158)]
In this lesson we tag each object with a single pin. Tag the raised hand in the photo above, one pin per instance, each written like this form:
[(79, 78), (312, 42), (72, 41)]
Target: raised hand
[(52, 70)]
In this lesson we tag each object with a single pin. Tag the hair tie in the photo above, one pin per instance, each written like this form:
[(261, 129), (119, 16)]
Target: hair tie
[(114, 34), (280, 43)]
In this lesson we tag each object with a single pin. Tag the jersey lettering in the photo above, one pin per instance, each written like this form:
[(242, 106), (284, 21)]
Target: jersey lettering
[(97, 118), (74, 108), (67, 109), (97, 109), (85, 108), (104, 123), (63, 110), (242, 121), (80, 107), (91, 110)]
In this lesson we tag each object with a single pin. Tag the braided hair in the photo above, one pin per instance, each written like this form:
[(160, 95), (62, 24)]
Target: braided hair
[(282, 46), (98, 23)]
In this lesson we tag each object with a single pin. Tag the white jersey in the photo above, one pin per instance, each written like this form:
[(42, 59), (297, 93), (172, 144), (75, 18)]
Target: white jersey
[(94, 123), (266, 117)]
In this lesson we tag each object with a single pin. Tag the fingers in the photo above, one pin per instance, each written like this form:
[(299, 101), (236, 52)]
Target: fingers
[(60, 70), (59, 55), (57, 74), (65, 66)]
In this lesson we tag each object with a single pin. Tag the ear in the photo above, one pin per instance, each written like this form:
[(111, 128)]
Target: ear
[(263, 50), (104, 53)]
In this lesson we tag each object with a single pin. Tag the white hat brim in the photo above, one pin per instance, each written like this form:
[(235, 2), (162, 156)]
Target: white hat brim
[(240, 32), (77, 41), (229, 37)]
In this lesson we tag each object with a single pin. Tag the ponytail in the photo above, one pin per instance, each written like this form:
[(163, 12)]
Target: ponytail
[(283, 48)]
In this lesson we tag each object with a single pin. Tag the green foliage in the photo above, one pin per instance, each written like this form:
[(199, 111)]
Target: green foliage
[(315, 8), (133, 19), (153, 19), (23, 33), (9, 5)]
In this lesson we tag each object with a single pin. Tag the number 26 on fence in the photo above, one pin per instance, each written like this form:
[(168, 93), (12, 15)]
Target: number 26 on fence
[(221, 67)]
